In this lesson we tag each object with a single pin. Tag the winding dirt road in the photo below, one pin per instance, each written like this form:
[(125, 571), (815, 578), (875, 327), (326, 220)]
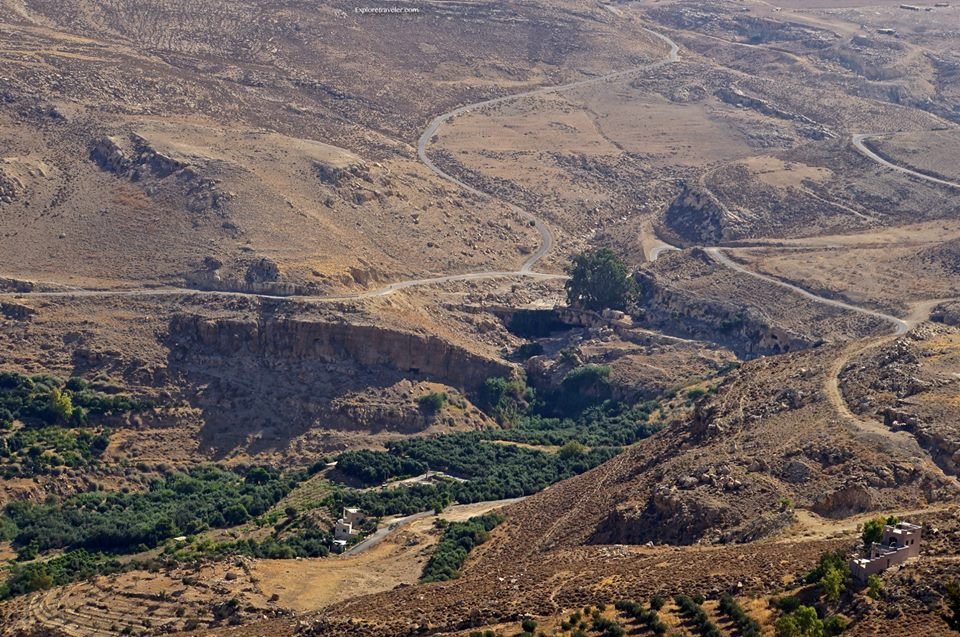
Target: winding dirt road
[(859, 142), (546, 235), (526, 269), (900, 326)]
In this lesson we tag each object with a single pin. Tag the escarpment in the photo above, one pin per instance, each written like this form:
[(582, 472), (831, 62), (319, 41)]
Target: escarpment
[(279, 340), (134, 158), (293, 385)]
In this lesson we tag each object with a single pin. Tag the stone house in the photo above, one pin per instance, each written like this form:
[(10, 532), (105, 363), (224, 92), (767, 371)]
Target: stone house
[(348, 526), (900, 542)]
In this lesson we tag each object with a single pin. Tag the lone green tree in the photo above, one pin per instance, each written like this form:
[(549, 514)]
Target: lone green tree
[(873, 531), (599, 280), (802, 622)]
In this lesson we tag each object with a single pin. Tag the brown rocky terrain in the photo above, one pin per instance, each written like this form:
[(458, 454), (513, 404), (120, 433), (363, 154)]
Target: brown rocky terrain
[(912, 386), (223, 207)]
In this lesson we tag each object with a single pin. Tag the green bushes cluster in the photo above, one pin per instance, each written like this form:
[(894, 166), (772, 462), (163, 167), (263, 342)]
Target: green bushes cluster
[(31, 451), (786, 604), (62, 569), (181, 504), (610, 423), (505, 399), (873, 531), (308, 542), (496, 471), (43, 401), (491, 472), (801, 622), (692, 609), (579, 409), (607, 627), (832, 574), (433, 402), (747, 626), (459, 538), (376, 467), (646, 616)]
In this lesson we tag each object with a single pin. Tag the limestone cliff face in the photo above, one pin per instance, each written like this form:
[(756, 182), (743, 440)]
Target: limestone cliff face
[(364, 345)]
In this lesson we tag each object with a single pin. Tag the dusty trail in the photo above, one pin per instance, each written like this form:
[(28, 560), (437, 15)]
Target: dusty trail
[(525, 271), (872, 429), (859, 142), (900, 326), (546, 235)]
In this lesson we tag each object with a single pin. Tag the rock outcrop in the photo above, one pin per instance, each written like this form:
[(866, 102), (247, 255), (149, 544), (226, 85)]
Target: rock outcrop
[(10, 188), (736, 97), (279, 340), (948, 313), (741, 328), (697, 217), (134, 158)]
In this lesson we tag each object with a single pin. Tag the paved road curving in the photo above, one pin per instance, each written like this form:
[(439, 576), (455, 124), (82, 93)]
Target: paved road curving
[(859, 142), (900, 326)]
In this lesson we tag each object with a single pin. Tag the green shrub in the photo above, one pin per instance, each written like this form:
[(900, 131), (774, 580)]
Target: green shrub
[(835, 624), (505, 399), (458, 539), (874, 586), (432, 403), (786, 604), (803, 622)]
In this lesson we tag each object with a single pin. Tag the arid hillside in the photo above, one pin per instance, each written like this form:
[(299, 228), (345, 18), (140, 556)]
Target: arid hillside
[(430, 318)]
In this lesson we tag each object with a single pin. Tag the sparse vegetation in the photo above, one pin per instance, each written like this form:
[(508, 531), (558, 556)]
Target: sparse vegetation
[(647, 617), (748, 626), (692, 608)]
